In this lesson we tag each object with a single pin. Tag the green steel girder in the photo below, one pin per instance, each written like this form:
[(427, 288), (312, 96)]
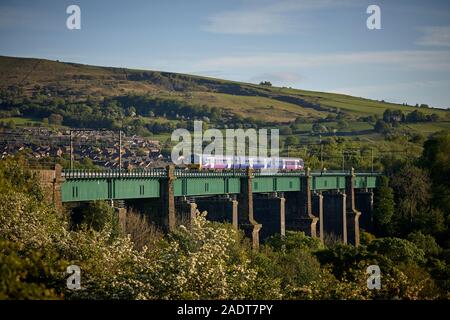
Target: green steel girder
[(328, 183), (103, 189), (206, 186), (82, 186)]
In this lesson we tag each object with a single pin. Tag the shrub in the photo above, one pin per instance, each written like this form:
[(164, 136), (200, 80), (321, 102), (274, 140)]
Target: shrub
[(110, 269), (425, 242), (142, 233), (202, 262), (13, 176), (99, 215), (294, 269), (397, 250), (294, 240), (28, 222), (366, 238), (26, 274)]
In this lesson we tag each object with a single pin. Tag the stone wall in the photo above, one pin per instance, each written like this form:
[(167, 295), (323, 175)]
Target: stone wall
[(51, 181)]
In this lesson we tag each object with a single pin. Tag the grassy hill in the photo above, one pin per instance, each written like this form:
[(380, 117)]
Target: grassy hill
[(260, 102)]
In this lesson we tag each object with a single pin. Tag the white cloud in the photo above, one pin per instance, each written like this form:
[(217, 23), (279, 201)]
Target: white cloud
[(410, 59), (434, 36), (247, 23), (368, 90), (262, 17)]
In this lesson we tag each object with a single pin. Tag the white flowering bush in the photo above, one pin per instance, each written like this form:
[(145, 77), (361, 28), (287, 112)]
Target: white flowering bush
[(110, 267), (205, 261), (30, 267), (31, 223)]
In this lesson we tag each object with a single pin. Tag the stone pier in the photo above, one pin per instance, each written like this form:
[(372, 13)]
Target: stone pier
[(317, 209), (299, 211), (352, 213), (220, 209), (246, 219), (185, 211), (122, 218), (270, 212), (167, 199)]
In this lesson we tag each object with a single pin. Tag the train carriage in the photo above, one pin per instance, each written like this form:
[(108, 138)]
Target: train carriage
[(219, 162)]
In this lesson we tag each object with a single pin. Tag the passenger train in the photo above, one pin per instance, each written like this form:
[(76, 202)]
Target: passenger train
[(200, 161)]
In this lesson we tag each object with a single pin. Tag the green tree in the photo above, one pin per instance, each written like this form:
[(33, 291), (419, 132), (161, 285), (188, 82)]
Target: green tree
[(412, 187), (431, 221), (342, 124), (98, 215), (26, 274), (416, 116), (384, 207), (55, 119), (285, 131), (294, 240), (387, 115), (425, 242), (294, 269), (11, 125), (436, 158), (382, 126), (397, 250), (291, 141), (14, 177)]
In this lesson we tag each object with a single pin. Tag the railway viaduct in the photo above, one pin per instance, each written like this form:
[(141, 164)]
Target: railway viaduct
[(262, 204)]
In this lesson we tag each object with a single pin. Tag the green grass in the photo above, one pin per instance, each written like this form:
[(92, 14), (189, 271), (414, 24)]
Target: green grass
[(304, 127), (30, 122), (428, 127), (260, 108), (158, 119), (22, 121), (161, 137), (357, 104), (352, 126)]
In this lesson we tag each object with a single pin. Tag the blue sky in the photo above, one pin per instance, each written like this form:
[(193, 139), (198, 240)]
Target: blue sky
[(320, 45)]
